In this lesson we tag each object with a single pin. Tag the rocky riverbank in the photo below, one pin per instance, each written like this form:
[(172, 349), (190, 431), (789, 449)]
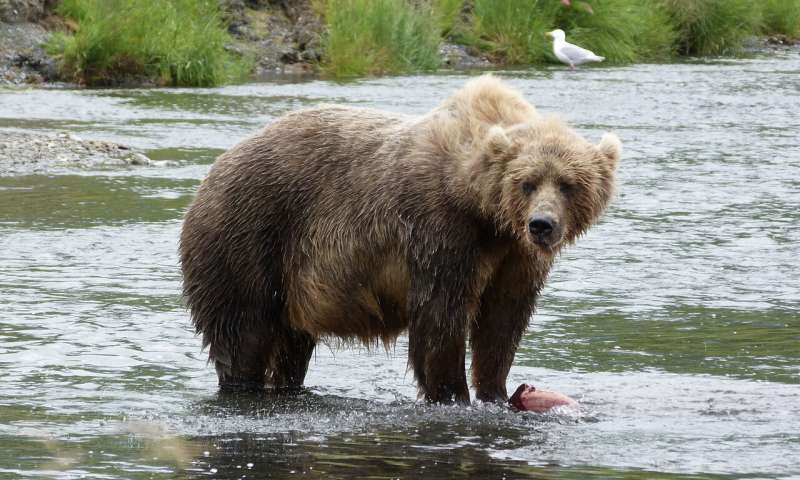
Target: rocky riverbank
[(284, 37), (24, 153), (23, 33)]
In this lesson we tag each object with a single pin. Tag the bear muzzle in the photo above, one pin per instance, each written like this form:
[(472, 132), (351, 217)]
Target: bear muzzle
[(545, 230)]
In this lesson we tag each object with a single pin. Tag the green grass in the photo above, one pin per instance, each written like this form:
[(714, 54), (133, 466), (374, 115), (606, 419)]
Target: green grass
[(713, 27), (623, 31), (447, 14), (513, 30), (182, 42), (171, 42), (781, 16), (367, 37)]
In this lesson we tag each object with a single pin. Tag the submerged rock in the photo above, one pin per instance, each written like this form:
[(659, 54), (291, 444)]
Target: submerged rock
[(461, 57), (780, 39)]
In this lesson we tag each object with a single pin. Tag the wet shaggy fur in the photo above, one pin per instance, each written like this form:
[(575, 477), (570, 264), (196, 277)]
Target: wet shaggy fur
[(357, 224)]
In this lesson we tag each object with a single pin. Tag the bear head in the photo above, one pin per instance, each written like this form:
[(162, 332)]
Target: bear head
[(532, 176), (543, 183)]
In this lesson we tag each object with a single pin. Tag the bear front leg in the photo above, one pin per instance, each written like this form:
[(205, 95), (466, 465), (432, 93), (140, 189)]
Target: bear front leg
[(442, 294), (436, 353), (437, 357), (506, 307), (494, 338), (437, 337)]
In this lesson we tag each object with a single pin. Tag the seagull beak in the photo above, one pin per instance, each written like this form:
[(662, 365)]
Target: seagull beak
[(548, 34)]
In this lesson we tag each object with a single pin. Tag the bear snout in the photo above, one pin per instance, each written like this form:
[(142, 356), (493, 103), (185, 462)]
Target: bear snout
[(544, 229)]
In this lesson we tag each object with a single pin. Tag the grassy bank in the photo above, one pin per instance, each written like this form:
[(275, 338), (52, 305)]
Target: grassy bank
[(714, 27), (512, 31), (169, 42), (626, 30), (379, 36), (782, 17), (361, 41), (183, 42)]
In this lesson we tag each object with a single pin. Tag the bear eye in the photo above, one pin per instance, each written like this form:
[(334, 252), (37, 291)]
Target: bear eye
[(528, 187), (566, 187)]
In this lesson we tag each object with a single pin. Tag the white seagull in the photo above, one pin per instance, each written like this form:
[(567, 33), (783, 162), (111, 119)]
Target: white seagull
[(571, 54)]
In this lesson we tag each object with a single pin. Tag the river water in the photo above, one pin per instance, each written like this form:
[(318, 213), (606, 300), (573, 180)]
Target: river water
[(675, 322)]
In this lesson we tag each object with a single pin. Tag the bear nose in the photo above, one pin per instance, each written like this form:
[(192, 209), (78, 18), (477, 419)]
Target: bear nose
[(541, 225)]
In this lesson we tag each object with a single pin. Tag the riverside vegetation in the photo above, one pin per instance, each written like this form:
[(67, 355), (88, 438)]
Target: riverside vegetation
[(173, 42), (183, 42)]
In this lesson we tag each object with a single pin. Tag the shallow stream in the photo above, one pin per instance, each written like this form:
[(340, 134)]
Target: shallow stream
[(675, 321)]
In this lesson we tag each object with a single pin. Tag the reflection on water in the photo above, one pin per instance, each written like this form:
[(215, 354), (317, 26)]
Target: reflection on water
[(674, 322), (760, 345), (71, 201)]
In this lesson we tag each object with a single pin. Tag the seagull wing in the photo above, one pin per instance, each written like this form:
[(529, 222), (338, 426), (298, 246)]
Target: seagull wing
[(578, 55)]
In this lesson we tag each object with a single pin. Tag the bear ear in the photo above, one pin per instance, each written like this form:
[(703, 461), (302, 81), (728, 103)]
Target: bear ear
[(497, 141), (611, 148)]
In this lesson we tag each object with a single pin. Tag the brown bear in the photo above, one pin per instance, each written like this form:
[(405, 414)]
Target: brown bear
[(358, 224)]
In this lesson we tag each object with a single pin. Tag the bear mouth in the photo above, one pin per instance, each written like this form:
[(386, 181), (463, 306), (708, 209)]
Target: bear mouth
[(549, 244)]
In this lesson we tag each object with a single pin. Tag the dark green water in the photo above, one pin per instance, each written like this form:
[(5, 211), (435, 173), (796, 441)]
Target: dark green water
[(675, 322)]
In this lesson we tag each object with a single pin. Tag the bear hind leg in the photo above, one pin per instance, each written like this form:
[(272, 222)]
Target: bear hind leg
[(289, 360), (240, 364)]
